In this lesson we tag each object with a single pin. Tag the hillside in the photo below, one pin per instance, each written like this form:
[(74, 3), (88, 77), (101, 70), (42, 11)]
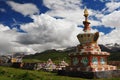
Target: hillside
[(19, 74), (7, 73), (52, 54), (58, 55)]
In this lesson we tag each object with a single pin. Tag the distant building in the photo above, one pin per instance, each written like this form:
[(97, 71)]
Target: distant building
[(50, 66)]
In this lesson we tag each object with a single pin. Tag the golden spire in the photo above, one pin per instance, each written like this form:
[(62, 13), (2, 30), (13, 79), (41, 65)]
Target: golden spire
[(86, 14), (86, 22)]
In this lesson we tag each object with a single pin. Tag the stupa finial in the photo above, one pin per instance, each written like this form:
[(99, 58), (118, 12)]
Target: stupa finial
[(86, 14), (86, 22)]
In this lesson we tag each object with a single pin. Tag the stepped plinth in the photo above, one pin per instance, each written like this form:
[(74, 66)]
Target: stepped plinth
[(88, 61)]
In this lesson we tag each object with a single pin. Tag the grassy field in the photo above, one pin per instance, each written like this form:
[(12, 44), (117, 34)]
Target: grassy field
[(7, 73), (56, 57), (19, 74)]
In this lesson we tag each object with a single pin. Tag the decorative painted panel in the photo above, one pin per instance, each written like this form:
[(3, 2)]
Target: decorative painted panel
[(102, 60), (75, 61), (95, 60), (84, 60)]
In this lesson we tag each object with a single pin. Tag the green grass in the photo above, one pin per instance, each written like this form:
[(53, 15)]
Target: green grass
[(7, 73), (31, 60), (19, 74)]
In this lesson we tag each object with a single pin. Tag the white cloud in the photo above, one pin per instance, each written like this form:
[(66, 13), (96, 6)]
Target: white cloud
[(112, 6), (70, 11), (109, 0), (3, 28), (112, 37), (62, 4), (25, 9), (112, 19), (8, 42), (23, 49), (75, 16), (47, 32)]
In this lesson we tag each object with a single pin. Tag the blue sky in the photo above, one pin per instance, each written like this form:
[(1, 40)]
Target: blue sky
[(9, 17), (35, 24)]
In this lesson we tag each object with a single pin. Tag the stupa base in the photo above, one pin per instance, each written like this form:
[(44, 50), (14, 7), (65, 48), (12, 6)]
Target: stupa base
[(91, 75)]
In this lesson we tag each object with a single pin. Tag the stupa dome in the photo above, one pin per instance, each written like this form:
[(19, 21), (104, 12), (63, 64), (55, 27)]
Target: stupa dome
[(88, 37)]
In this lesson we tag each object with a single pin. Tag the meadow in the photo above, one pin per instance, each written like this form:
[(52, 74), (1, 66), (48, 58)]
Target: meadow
[(7, 73), (56, 56)]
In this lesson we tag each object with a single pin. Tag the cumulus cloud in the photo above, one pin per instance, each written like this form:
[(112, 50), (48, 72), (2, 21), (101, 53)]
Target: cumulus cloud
[(67, 9), (23, 49), (112, 19), (8, 42), (24, 9), (70, 10), (3, 28), (48, 32), (111, 37), (62, 4), (111, 6)]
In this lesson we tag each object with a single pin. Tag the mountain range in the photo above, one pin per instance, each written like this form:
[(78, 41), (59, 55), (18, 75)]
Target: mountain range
[(113, 49)]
